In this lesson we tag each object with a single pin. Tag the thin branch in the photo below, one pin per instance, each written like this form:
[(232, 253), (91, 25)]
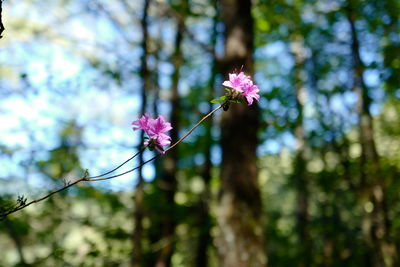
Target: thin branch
[(84, 178), (194, 127), (165, 151), (4, 215), (122, 164), (88, 178), (1, 19)]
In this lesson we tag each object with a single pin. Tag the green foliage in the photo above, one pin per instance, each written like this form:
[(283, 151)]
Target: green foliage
[(218, 100), (309, 146)]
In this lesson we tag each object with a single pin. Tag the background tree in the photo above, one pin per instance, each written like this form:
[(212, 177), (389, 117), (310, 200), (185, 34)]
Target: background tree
[(239, 215), (308, 177)]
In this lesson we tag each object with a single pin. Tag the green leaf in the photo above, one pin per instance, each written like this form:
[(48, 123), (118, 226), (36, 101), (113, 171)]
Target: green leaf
[(222, 98), (215, 101)]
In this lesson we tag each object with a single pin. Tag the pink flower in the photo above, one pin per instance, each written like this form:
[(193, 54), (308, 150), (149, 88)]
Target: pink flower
[(236, 81), (243, 84), (156, 130), (158, 127), (250, 92), (142, 123)]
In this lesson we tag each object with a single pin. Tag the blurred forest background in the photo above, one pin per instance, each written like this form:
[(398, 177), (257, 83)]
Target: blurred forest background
[(308, 177)]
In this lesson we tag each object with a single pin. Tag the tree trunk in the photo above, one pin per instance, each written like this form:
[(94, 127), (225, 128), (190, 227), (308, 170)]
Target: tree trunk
[(299, 165), (376, 222), (169, 182), (241, 239), (204, 219), (17, 241), (137, 236)]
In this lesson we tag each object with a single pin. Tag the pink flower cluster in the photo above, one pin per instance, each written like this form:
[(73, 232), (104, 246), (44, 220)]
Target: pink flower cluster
[(156, 130), (240, 87), (243, 85)]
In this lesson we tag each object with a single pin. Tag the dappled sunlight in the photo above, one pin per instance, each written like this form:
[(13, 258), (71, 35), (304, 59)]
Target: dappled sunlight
[(199, 133)]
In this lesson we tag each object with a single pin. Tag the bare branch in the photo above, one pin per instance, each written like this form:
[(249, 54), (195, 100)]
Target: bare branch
[(22, 200), (1, 20), (24, 205), (165, 151)]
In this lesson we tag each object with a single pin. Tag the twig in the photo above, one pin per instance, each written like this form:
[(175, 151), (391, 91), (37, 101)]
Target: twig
[(88, 178), (1, 19), (165, 151), (4, 215), (84, 178), (122, 164)]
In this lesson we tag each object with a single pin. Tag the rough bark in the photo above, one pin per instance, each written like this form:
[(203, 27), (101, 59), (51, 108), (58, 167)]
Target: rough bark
[(137, 237), (241, 239), (376, 222)]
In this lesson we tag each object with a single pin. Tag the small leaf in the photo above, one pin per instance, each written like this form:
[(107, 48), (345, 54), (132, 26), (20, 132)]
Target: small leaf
[(222, 98), (215, 101)]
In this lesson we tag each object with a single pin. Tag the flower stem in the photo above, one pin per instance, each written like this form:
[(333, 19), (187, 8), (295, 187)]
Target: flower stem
[(97, 177), (165, 151), (122, 164)]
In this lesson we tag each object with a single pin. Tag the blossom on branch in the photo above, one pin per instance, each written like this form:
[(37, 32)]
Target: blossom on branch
[(241, 85), (236, 81), (156, 130), (250, 92)]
